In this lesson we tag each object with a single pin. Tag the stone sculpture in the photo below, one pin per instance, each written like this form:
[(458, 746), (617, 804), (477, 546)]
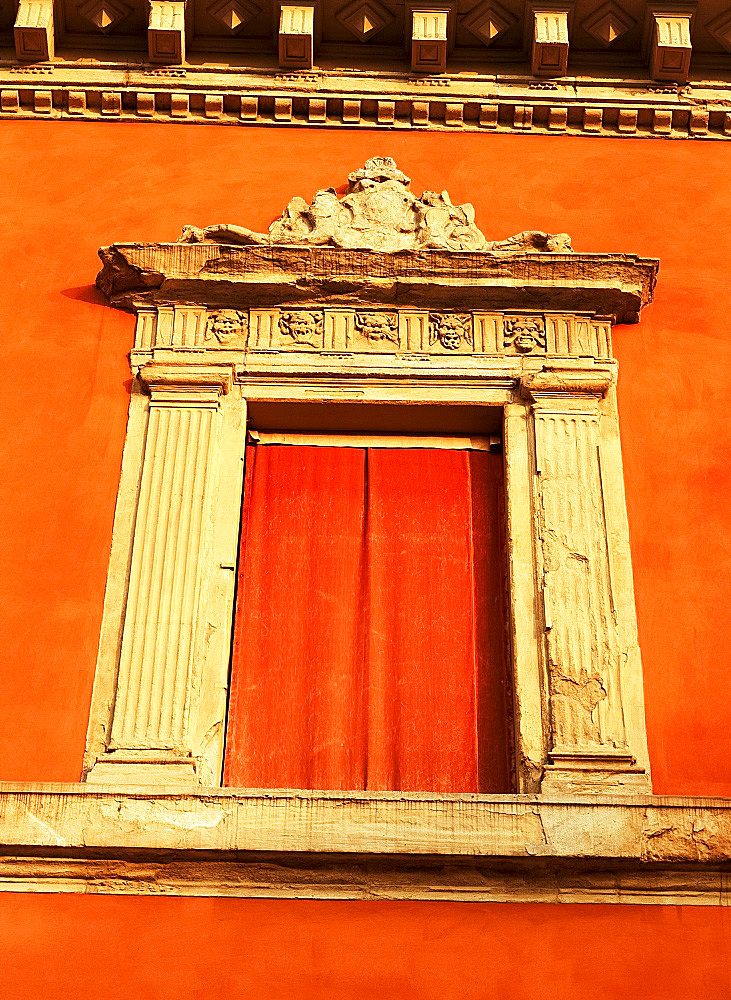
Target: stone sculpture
[(379, 212)]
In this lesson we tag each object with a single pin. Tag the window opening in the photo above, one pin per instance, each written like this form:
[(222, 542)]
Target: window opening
[(369, 640)]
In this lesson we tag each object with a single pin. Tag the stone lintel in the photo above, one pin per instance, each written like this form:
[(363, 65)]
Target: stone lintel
[(136, 275)]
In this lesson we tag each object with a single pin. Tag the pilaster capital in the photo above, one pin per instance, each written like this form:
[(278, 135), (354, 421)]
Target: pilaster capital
[(558, 384), (187, 383)]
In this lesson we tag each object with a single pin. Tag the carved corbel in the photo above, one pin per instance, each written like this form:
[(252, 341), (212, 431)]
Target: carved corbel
[(430, 32), (548, 26), (298, 35), (667, 42), (33, 30), (166, 32)]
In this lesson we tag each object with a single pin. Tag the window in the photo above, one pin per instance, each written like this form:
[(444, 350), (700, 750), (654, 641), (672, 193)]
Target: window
[(370, 633), (447, 326)]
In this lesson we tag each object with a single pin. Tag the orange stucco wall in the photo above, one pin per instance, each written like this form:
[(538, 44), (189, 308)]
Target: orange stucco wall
[(131, 948), (67, 188)]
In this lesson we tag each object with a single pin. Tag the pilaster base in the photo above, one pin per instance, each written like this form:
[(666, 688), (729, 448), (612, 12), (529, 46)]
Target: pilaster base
[(144, 767), (592, 774)]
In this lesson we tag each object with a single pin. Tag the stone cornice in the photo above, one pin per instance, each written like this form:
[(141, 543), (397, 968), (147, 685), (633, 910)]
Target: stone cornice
[(616, 285), (502, 103), (355, 844)]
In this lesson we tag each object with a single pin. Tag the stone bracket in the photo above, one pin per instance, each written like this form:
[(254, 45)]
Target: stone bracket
[(547, 29), (298, 35), (166, 32), (667, 40), (33, 31), (431, 35)]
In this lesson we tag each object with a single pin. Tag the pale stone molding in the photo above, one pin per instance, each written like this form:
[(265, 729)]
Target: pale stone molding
[(308, 312), (158, 720), (591, 674), (33, 30)]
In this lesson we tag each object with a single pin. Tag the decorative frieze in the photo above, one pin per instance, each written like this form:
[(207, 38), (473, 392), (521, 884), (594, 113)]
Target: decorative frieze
[(327, 329)]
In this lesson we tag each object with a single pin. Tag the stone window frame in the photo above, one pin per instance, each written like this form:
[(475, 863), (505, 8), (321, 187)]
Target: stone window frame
[(220, 326)]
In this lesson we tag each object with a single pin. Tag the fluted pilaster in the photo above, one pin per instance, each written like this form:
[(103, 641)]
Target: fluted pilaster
[(589, 741)]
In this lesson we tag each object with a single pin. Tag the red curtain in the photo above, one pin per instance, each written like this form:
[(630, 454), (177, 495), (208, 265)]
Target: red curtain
[(369, 642)]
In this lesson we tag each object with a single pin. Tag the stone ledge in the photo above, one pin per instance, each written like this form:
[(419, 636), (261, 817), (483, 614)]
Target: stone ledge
[(136, 274), (646, 829)]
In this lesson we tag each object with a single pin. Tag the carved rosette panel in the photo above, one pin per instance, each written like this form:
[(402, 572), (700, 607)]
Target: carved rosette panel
[(371, 331)]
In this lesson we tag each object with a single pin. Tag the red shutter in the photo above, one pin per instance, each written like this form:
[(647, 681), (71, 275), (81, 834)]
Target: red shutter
[(369, 644)]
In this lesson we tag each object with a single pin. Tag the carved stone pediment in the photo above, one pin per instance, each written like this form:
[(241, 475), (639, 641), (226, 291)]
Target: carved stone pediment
[(379, 212), (377, 246)]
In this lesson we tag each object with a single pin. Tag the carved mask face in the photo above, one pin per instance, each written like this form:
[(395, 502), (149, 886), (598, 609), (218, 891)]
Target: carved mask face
[(226, 325), (525, 341), (301, 325), (451, 332)]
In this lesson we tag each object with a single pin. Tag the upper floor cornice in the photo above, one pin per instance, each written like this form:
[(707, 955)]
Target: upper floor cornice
[(622, 68)]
